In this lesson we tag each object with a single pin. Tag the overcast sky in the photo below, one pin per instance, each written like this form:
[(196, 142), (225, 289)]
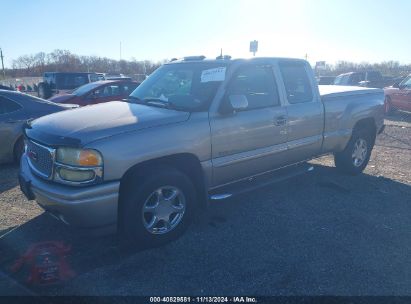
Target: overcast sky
[(329, 30)]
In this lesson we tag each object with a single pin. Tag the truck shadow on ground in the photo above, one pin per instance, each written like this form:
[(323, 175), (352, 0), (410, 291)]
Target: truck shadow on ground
[(322, 194)]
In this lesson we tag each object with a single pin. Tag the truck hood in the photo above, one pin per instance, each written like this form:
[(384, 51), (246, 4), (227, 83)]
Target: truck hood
[(84, 125)]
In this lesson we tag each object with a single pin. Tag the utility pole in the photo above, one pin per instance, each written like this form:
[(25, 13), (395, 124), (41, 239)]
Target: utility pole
[(2, 64)]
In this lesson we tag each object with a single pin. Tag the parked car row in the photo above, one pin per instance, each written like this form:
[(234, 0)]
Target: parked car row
[(61, 83), (369, 79)]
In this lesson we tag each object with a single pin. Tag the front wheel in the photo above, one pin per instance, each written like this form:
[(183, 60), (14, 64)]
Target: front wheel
[(156, 208), (356, 155)]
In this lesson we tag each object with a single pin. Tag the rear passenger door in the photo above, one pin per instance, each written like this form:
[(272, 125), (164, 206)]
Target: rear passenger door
[(253, 140), (305, 111)]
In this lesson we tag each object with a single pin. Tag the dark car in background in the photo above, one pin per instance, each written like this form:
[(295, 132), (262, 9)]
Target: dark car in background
[(98, 92), (56, 82), (368, 79), (15, 109), (3, 87), (398, 96), (325, 80)]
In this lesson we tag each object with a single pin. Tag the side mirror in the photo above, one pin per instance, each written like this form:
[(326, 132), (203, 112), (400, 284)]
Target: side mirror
[(235, 103)]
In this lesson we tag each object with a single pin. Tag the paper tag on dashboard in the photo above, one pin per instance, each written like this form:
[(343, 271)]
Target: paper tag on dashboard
[(216, 74)]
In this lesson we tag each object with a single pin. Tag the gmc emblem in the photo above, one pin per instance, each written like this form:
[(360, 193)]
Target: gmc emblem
[(32, 155)]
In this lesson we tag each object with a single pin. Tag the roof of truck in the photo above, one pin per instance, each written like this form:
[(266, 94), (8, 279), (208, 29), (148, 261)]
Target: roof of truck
[(227, 59)]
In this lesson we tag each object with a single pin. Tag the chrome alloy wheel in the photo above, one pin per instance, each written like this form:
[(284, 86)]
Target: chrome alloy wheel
[(163, 210), (359, 153)]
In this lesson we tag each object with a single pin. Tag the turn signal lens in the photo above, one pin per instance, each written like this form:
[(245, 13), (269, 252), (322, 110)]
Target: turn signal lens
[(89, 158)]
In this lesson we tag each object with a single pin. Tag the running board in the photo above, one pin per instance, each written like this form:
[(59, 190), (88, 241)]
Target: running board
[(257, 182)]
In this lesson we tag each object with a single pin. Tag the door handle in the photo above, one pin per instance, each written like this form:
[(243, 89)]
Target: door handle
[(280, 121)]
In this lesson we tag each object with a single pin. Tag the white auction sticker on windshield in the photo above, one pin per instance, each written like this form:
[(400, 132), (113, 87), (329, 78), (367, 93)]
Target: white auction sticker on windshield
[(216, 74)]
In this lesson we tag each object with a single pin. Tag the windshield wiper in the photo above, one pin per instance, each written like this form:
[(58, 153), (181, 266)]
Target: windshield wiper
[(156, 102), (160, 103), (129, 98)]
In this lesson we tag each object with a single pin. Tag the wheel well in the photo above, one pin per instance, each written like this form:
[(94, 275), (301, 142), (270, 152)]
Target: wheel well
[(187, 163), (367, 124)]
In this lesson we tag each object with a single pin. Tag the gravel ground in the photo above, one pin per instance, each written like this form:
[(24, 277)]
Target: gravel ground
[(318, 234)]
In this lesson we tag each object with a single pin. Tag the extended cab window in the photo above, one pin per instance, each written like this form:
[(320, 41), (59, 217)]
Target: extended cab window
[(257, 84), (296, 81), (8, 106)]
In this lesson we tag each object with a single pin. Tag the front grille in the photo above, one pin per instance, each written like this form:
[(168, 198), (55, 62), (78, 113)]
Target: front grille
[(41, 158)]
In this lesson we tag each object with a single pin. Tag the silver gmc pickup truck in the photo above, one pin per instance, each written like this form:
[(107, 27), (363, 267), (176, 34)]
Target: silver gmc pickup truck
[(196, 129)]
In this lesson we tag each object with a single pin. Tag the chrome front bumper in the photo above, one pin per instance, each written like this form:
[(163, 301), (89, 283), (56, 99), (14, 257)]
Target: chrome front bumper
[(83, 207)]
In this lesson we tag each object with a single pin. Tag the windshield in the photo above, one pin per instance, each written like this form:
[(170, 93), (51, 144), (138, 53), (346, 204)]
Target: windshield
[(185, 86), (84, 89), (338, 80)]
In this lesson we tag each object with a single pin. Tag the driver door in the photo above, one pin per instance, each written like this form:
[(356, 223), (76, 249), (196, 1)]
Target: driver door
[(253, 140)]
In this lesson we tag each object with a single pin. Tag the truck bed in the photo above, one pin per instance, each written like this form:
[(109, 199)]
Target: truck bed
[(342, 91), (343, 106)]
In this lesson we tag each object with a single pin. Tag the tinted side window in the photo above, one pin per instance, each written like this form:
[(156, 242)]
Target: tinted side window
[(111, 90), (8, 106), (296, 81), (407, 83), (257, 84), (338, 80), (355, 79), (128, 88)]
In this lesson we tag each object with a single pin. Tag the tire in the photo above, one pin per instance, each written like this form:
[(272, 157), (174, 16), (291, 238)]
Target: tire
[(44, 90), (18, 150), (140, 201), (356, 155)]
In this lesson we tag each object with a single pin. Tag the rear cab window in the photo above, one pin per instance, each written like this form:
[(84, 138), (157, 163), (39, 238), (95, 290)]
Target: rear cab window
[(296, 81)]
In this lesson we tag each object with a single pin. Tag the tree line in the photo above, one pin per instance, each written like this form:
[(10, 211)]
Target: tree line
[(65, 61), (387, 68)]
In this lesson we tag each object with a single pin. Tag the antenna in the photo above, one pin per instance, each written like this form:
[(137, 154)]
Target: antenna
[(221, 54)]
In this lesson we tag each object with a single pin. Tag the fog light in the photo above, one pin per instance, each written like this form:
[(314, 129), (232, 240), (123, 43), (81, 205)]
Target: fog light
[(76, 175)]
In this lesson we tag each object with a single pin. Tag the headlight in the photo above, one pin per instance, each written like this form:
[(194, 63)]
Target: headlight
[(78, 166), (79, 157)]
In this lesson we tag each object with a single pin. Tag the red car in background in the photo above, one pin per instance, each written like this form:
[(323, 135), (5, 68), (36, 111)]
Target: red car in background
[(97, 92), (398, 96)]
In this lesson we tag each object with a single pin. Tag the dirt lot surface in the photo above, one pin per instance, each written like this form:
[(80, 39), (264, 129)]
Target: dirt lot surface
[(318, 234)]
